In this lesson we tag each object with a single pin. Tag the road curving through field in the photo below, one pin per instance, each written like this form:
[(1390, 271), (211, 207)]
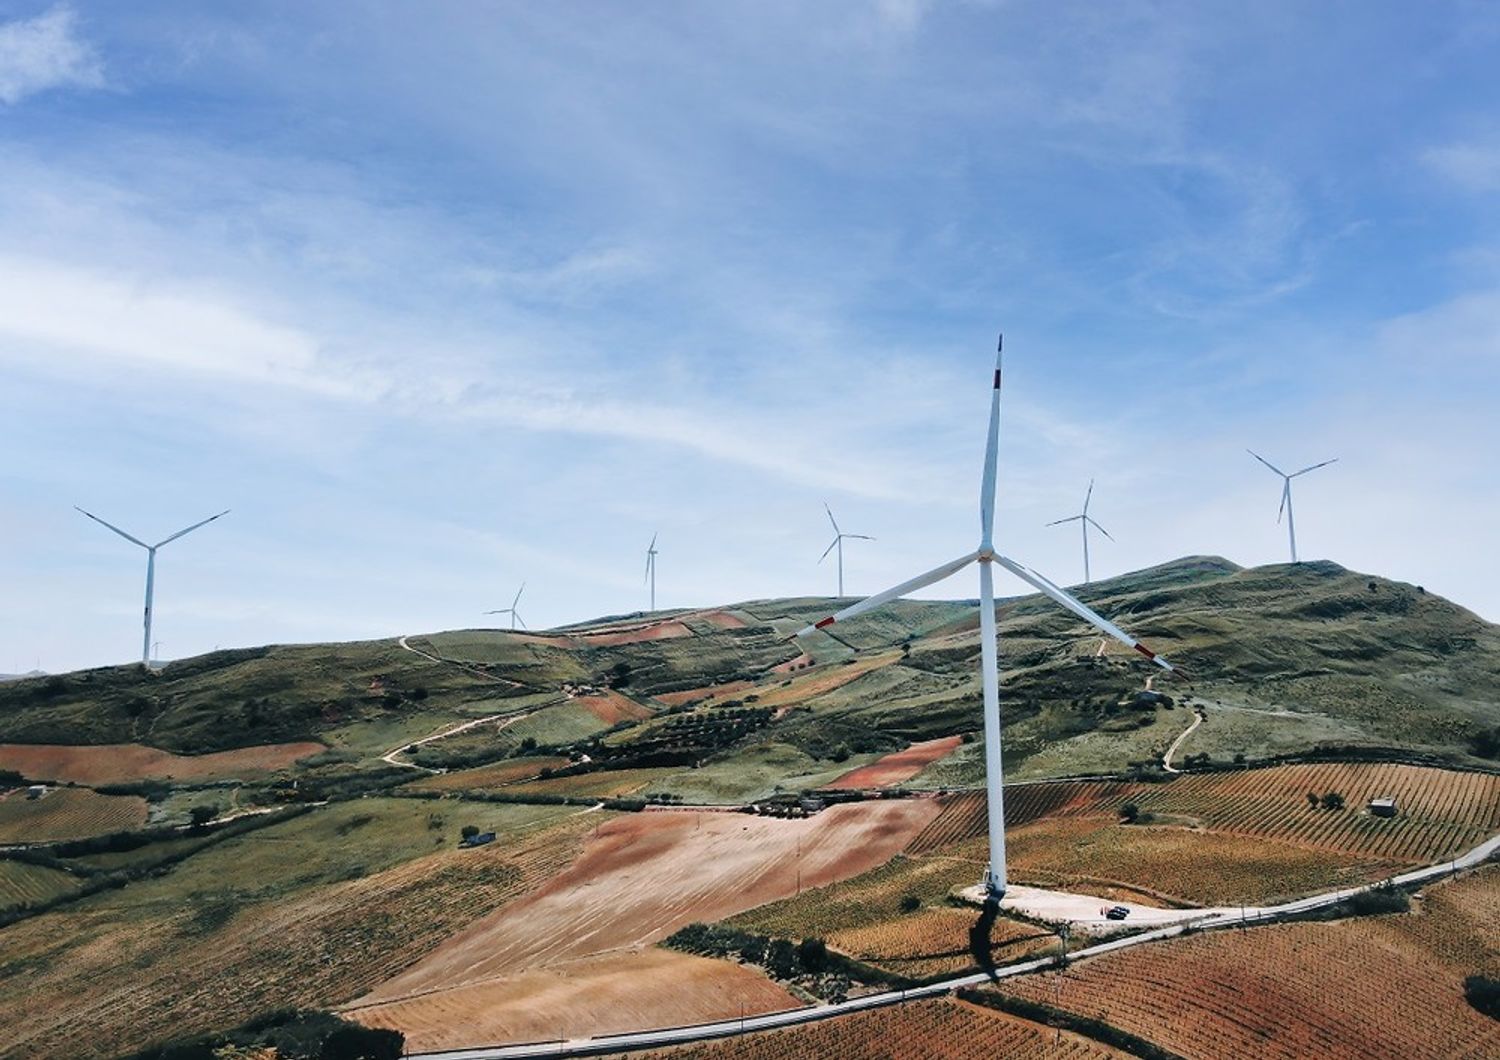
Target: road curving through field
[(620, 1043)]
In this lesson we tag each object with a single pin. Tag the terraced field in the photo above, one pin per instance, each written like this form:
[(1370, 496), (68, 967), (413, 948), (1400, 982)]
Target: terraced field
[(1385, 986), (67, 813), (23, 884), (943, 1029)]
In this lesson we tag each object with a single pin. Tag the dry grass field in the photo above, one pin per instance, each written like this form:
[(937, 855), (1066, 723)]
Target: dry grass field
[(23, 884), (480, 778), (1380, 986), (208, 945), (942, 1029), (67, 813)]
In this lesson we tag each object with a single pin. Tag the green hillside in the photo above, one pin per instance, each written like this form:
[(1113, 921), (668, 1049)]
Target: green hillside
[(1283, 659)]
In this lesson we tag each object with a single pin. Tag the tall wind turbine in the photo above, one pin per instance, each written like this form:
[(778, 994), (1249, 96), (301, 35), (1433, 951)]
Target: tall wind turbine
[(515, 616), (1286, 494), (651, 569), (1085, 520), (151, 567), (838, 542), (995, 881)]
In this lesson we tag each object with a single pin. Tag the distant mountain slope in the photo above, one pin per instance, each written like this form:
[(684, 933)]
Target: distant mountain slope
[(1282, 657)]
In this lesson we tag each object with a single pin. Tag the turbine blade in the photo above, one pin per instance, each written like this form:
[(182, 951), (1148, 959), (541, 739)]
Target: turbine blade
[(1080, 609), (827, 550), (522, 621), (1315, 467), (937, 574), (1095, 524), (517, 600), (1087, 497), (991, 454), (116, 529), (862, 537), (1268, 463), (1286, 491), (831, 519), (1069, 519), (190, 529)]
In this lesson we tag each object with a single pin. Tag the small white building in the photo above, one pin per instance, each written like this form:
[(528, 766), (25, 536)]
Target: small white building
[(1385, 806)]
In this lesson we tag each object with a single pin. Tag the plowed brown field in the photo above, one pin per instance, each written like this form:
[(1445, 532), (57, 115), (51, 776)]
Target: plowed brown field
[(899, 766), (67, 813), (119, 762), (606, 994), (641, 877)]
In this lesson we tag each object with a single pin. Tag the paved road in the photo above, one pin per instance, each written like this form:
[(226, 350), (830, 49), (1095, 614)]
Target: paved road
[(1166, 759), (616, 1043)]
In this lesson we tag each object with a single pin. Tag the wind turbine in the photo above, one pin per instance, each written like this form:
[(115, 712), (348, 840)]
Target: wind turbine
[(651, 569), (1286, 494), (1084, 519), (515, 616), (995, 881), (151, 567), (838, 542)]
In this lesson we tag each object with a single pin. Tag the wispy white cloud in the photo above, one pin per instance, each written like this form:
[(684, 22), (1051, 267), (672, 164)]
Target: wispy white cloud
[(1473, 165), (45, 52)]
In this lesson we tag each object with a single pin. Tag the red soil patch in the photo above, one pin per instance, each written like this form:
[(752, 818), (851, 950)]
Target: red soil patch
[(638, 635), (641, 877), (608, 994), (676, 699), (722, 619), (114, 763), (897, 767), (611, 708), (491, 776)]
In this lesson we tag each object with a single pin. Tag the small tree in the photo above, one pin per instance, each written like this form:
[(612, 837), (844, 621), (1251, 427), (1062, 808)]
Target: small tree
[(1333, 801), (812, 954), (1130, 813), (910, 903), (469, 831), (201, 815), (1312, 799), (1484, 994)]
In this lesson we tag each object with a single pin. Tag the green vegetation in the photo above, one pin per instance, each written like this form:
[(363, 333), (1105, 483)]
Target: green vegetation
[(1483, 992), (293, 1035)]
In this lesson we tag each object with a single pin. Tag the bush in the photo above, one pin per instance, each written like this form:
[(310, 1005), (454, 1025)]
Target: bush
[(1333, 801), (201, 815), (911, 903), (1130, 813), (1383, 899), (1484, 994), (469, 831)]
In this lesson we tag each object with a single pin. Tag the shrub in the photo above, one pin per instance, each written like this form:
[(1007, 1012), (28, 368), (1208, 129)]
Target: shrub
[(1333, 801), (910, 903), (1377, 900), (1484, 994), (1130, 813), (469, 831)]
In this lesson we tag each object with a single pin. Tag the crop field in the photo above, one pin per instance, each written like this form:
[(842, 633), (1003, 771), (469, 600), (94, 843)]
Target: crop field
[(941, 1029), (872, 898), (752, 774), (612, 638), (598, 995), (693, 695), (1384, 986), (115, 763), (481, 778), (640, 878), (602, 784), (67, 813), (898, 767), (190, 951), (1441, 812), (23, 884), (611, 707), (936, 941)]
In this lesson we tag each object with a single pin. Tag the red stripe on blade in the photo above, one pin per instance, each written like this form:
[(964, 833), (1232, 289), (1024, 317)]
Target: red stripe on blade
[(826, 622), (1147, 652), (997, 379)]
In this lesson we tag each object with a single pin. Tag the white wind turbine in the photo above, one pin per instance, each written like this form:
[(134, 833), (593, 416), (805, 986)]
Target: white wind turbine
[(995, 880), (1286, 494), (651, 569), (838, 542), (515, 616), (1085, 519), (150, 567)]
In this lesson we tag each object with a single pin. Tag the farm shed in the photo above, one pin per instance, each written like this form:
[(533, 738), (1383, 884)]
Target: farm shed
[(1385, 806)]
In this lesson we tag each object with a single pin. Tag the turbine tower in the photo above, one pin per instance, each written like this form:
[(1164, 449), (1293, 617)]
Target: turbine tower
[(651, 569), (515, 616), (1286, 494), (995, 880), (1085, 520), (151, 568), (838, 542)]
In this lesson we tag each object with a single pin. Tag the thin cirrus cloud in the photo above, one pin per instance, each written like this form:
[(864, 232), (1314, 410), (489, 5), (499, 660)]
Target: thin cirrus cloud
[(45, 52)]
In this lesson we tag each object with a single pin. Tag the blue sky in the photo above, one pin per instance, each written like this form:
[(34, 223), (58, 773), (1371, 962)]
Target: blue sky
[(438, 298)]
